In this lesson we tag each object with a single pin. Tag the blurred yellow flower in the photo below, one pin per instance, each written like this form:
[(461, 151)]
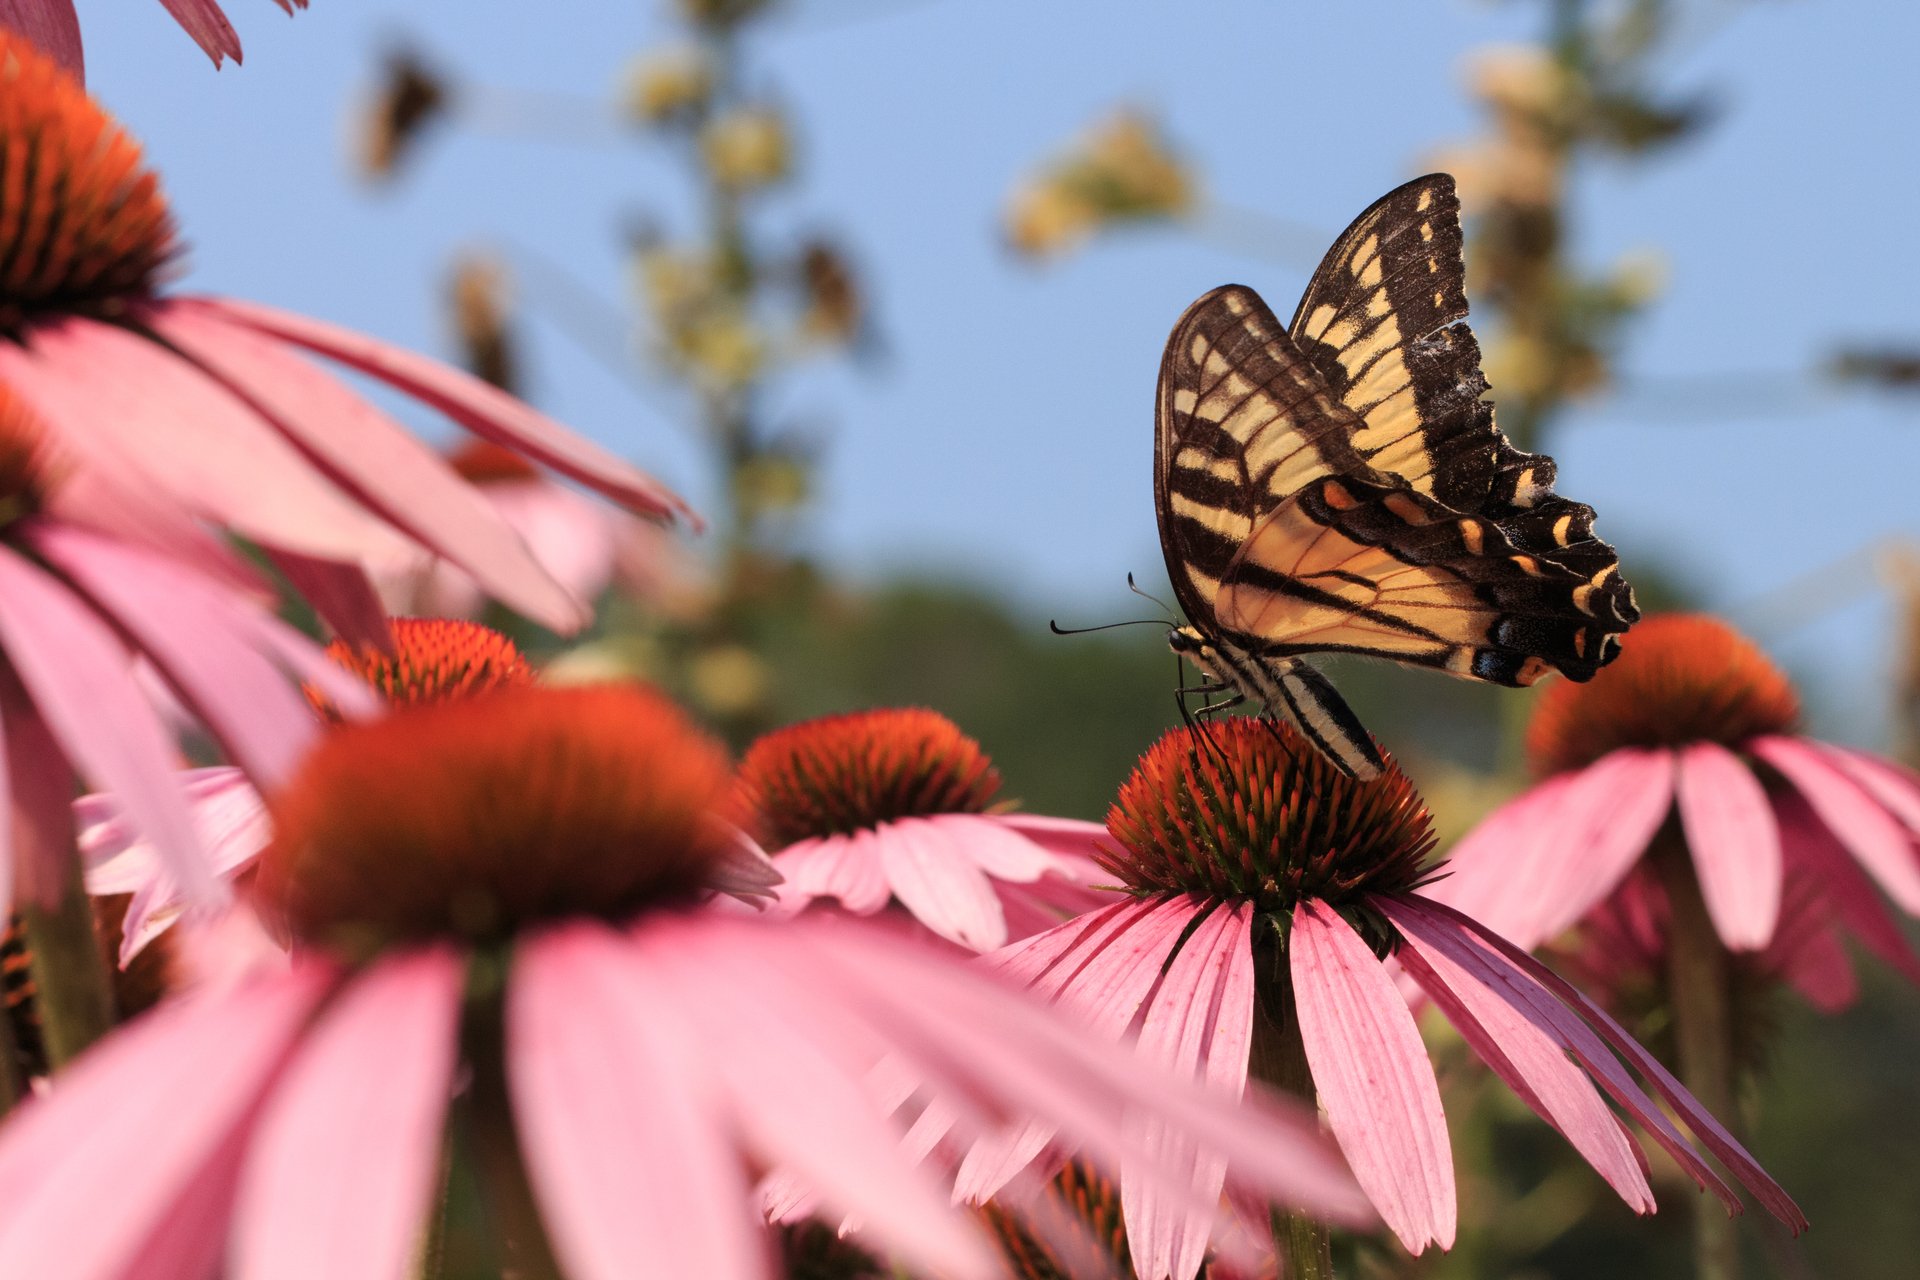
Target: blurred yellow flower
[(1123, 170), (668, 84), (728, 680), (748, 147)]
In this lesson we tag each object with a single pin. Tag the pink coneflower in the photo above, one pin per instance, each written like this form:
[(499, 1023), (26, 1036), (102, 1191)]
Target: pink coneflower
[(172, 412), (55, 27), (1693, 726), (1266, 891), (895, 807), (503, 890), (80, 608), (586, 546)]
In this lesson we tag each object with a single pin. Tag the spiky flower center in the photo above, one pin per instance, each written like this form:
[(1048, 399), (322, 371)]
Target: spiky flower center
[(846, 773), (436, 659), (1249, 810), (83, 226), (1679, 679), (483, 462), (476, 818)]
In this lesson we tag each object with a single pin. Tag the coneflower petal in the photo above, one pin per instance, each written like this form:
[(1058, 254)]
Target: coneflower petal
[(208, 25), (150, 1112), (191, 630), (1534, 1064), (619, 1123), (53, 27), (1867, 830), (341, 593), (840, 867), (484, 410), (1817, 966), (1199, 1025), (941, 886), (81, 682), (1373, 1076), (395, 475), (341, 1168), (992, 845), (1735, 843), (1894, 787), (1844, 885)]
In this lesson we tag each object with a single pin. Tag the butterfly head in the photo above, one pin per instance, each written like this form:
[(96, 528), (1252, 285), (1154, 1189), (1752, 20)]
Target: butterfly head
[(1194, 647)]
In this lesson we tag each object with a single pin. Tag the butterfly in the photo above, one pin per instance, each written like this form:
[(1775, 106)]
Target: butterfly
[(1339, 486)]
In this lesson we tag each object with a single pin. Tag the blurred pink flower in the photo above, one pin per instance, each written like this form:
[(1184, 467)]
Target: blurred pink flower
[(1252, 861), (649, 1057), (586, 546), (167, 413), (893, 806), (55, 27), (1692, 725)]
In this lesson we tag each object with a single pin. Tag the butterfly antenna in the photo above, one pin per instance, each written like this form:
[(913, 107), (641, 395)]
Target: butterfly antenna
[(1059, 630), (1135, 588)]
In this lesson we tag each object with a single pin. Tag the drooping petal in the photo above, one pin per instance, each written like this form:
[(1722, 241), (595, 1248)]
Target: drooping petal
[(1869, 832), (208, 25), (1814, 962), (620, 1120), (1061, 835), (1373, 1076), (1589, 1032), (939, 885), (843, 867), (743, 870), (192, 439), (800, 1104), (1199, 1025), (340, 593), (345, 1156), (1734, 841), (1896, 788), (386, 468), (1813, 851), (484, 410), (81, 682), (996, 849), (190, 630), (1533, 1062), (53, 27), (92, 1170)]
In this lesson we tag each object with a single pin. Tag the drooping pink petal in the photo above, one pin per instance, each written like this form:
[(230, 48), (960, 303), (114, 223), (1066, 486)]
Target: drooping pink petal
[(193, 440), (939, 886), (53, 27), (1534, 1064), (1896, 788), (1373, 1076), (92, 1170), (1814, 962), (1812, 850), (995, 848), (347, 1150), (484, 410), (204, 21), (377, 461), (1868, 831), (81, 682), (799, 1100), (843, 867), (573, 537), (1061, 835), (341, 594), (1588, 1032), (1734, 841), (620, 1121), (1562, 848), (1199, 1025), (190, 630)]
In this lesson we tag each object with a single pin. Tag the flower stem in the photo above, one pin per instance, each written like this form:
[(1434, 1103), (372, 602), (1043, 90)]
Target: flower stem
[(1700, 994), (13, 1081), (72, 990), (487, 1114), (1279, 1058)]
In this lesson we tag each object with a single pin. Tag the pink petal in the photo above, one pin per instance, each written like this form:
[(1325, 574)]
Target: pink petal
[(1867, 830), (743, 870), (1061, 835), (374, 458), (341, 594), (484, 410), (797, 1096), (1199, 1025), (204, 21), (90, 1172), (81, 682), (52, 26), (1814, 962), (1735, 844), (1897, 789), (346, 1154), (191, 630), (1587, 1031), (573, 537), (843, 867), (1533, 1062), (937, 883), (995, 848), (1373, 1077), (194, 441), (620, 1122), (1812, 848)]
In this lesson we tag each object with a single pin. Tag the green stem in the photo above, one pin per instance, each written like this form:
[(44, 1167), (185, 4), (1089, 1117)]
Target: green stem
[(487, 1117), (72, 988), (1699, 991), (1279, 1058)]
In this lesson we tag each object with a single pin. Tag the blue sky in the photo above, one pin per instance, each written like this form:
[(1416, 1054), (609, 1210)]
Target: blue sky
[(1008, 435)]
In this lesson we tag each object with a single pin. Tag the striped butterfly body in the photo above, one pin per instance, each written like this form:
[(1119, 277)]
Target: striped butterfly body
[(1339, 486)]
